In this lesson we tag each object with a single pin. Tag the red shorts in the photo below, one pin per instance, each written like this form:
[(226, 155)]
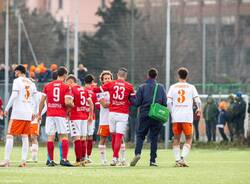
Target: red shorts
[(186, 128), (19, 127), (103, 131)]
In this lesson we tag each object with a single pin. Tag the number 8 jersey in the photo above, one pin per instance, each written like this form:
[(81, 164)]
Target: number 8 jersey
[(56, 91), (182, 96), (120, 91)]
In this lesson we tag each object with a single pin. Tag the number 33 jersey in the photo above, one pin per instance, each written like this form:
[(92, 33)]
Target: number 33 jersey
[(22, 106), (56, 91), (182, 96), (120, 92)]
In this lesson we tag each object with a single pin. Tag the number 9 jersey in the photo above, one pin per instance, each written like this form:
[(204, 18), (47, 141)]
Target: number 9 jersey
[(182, 96), (56, 92)]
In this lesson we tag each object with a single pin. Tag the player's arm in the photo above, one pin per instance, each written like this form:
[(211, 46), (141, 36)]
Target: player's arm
[(136, 99), (170, 99), (69, 101), (41, 106), (197, 100), (104, 103), (13, 96), (91, 110)]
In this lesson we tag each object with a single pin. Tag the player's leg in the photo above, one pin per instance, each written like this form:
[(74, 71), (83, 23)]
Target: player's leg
[(84, 139), (103, 132), (90, 133), (123, 152), (75, 130), (50, 129), (177, 130), (121, 126), (25, 149), (34, 131), (112, 129), (188, 131), (8, 146), (34, 148), (63, 130)]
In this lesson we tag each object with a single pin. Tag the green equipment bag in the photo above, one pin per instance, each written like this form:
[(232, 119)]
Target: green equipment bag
[(157, 111)]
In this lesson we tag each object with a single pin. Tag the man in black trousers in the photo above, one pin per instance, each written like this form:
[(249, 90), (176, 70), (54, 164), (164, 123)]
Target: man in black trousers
[(143, 99)]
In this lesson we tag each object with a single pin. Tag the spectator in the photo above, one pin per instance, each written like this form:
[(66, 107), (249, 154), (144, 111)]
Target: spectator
[(248, 108), (210, 114), (32, 71), (222, 118), (240, 113), (231, 116), (196, 122), (82, 72), (2, 69), (1, 109)]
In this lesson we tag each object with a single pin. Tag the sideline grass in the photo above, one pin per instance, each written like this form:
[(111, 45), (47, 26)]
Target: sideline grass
[(207, 167)]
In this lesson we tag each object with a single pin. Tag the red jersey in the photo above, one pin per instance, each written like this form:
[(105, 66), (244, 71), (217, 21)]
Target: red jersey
[(119, 91), (92, 95), (1, 104), (80, 111), (56, 91)]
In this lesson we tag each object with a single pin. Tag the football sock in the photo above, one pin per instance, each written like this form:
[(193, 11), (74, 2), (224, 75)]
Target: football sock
[(78, 150), (60, 149), (84, 148), (185, 150), (102, 149), (65, 149), (123, 152), (113, 141), (89, 147), (25, 148), (8, 147), (177, 152), (117, 146), (34, 152), (50, 149)]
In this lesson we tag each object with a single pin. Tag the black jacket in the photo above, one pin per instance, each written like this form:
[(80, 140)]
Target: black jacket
[(144, 96)]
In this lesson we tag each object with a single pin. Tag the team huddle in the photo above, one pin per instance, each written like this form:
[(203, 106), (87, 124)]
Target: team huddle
[(69, 110)]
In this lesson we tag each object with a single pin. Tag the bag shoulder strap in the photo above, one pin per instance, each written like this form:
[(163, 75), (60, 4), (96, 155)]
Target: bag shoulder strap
[(155, 91)]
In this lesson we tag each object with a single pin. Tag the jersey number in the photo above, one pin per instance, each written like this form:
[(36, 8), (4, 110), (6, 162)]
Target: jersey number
[(119, 93), (181, 96), (56, 94), (83, 99), (27, 92)]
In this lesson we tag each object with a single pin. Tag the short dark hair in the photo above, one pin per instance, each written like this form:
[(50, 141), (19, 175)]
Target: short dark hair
[(89, 79), (123, 69), (62, 71), (54, 75), (183, 73), (72, 77), (152, 73), (122, 72), (21, 69)]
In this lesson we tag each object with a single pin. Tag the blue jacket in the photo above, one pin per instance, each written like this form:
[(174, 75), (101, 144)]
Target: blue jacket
[(144, 96), (222, 117)]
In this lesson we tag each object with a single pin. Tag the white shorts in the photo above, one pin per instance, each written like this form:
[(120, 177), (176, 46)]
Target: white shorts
[(78, 128), (118, 122), (56, 124), (91, 128)]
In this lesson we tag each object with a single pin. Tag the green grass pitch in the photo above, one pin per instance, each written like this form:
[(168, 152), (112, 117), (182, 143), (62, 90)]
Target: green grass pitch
[(206, 167)]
